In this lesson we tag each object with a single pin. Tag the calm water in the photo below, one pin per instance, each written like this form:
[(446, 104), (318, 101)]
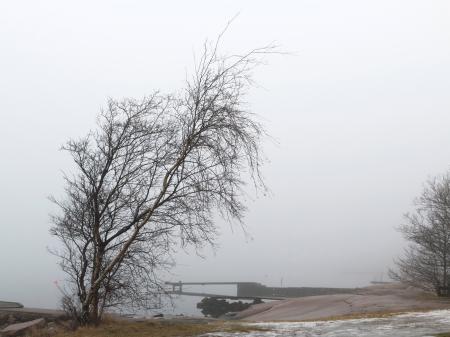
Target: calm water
[(407, 325), (187, 305)]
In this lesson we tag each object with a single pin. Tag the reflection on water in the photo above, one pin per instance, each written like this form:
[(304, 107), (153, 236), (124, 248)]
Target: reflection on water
[(187, 305), (407, 325)]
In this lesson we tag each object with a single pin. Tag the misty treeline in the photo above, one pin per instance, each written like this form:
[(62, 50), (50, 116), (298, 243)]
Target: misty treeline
[(150, 177), (426, 261)]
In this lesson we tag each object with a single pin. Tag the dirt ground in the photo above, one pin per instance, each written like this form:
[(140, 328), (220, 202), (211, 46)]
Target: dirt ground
[(392, 297)]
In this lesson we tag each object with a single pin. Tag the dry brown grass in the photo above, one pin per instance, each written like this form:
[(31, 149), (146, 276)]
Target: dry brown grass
[(147, 329), (359, 315), (375, 314)]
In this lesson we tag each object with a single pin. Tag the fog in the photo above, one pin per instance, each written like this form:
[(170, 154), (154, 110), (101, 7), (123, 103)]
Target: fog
[(358, 110)]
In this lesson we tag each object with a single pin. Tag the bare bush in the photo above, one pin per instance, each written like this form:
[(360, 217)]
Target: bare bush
[(426, 261)]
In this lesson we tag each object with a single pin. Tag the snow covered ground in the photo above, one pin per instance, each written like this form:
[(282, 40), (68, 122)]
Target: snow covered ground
[(407, 325)]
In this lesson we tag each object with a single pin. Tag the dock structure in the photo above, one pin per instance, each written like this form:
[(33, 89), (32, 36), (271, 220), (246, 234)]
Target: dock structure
[(177, 289), (255, 290), (10, 305)]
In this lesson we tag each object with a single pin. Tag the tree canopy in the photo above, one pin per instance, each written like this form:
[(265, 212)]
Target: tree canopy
[(151, 176)]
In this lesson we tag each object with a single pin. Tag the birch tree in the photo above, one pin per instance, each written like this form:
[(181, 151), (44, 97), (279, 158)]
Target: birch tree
[(152, 175)]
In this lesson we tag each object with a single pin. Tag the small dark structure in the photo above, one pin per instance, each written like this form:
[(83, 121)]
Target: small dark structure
[(258, 290)]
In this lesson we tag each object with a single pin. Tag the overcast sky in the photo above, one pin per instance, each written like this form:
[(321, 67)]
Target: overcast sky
[(360, 111)]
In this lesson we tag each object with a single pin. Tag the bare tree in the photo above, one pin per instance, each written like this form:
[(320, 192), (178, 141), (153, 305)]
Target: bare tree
[(426, 261), (152, 175)]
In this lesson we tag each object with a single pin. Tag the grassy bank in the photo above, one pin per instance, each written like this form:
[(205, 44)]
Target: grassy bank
[(375, 314), (146, 329)]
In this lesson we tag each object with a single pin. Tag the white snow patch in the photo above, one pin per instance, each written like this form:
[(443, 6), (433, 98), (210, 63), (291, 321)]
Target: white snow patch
[(416, 324)]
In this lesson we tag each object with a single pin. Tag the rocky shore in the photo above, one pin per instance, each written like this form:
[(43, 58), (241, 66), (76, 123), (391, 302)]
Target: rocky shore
[(386, 298)]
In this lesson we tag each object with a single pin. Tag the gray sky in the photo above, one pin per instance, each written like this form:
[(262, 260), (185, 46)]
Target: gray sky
[(360, 113)]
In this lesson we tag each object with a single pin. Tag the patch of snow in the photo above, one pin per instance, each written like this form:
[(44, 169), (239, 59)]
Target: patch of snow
[(417, 324)]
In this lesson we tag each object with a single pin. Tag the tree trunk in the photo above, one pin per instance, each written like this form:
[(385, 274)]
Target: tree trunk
[(84, 315), (94, 314)]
